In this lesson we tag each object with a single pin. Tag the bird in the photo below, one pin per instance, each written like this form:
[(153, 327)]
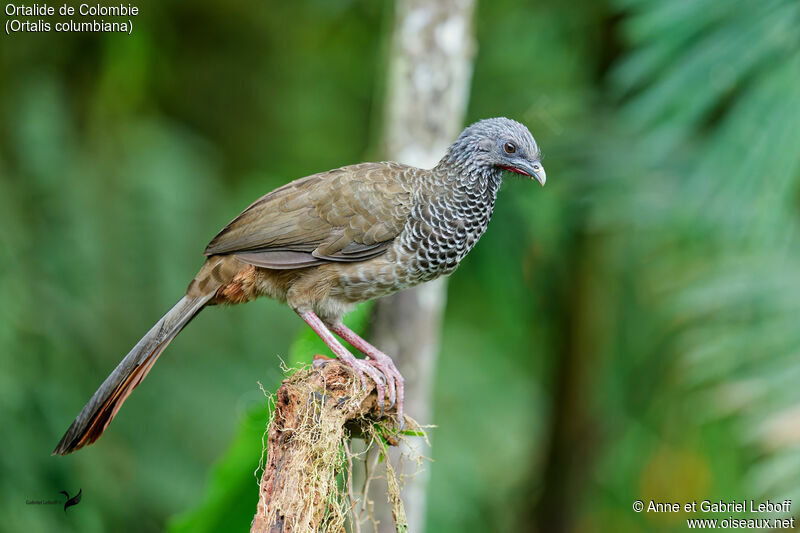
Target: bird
[(328, 241)]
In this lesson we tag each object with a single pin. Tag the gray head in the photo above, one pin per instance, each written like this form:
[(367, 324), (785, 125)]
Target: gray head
[(496, 144)]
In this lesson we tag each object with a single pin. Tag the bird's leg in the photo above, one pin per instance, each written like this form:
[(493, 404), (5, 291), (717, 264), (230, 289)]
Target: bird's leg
[(359, 366), (382, 362)]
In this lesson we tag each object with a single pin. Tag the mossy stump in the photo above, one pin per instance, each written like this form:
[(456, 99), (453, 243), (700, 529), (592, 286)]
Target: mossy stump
[(317, 410)]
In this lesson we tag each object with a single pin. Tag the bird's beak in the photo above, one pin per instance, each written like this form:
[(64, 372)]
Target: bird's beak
[(534, 169), (538, 173)]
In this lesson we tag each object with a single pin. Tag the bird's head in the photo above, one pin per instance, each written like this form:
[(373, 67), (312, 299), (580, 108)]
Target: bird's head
[(499, 144)]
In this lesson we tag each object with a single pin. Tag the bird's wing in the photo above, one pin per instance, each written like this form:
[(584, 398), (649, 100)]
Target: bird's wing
[(348, 214)]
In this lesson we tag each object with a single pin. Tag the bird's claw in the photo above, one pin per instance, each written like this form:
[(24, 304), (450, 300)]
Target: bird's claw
[(364, 367), (385, 375), (394, 380)]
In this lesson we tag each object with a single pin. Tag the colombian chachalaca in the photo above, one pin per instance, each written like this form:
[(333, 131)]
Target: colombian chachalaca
[(325, 242)]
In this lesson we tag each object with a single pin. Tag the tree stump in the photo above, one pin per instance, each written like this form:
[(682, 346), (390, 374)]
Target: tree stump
[(305, 484)]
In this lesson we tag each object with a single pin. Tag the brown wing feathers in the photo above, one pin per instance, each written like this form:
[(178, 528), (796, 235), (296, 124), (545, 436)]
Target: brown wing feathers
[(349, 214)]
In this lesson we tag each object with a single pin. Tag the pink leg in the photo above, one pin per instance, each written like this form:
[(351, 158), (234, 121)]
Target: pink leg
[(359, 366), (382, 362)]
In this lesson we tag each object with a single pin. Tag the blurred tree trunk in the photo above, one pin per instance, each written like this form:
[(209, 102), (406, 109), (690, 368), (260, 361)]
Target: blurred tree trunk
[(429, 79), (558, 486)]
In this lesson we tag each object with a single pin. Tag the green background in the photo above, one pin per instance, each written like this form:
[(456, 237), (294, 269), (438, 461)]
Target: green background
[(628, 332)]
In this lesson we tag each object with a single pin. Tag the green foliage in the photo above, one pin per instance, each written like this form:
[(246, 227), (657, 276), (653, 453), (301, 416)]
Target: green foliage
[(707, 220)]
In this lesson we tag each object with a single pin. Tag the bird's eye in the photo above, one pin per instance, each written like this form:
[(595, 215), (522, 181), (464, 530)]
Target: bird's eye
[(510, 148)]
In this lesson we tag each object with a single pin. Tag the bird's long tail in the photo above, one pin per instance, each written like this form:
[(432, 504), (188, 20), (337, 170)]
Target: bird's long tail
[(98, 413)]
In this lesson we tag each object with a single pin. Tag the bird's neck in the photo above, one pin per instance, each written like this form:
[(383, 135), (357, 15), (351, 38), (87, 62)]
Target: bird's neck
[(468, 176), (468, 192), (455, 204)]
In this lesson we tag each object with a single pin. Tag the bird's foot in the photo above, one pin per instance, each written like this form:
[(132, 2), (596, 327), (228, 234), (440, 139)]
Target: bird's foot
[(382, 362), (379, 367), (363, 368), (394, 378)]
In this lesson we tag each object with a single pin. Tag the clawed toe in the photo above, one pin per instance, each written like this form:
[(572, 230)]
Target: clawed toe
[(384, 375), (394, 381), (363, 367), (379, 364)]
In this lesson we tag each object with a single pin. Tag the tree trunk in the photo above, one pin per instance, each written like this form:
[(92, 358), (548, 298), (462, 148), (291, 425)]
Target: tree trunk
[(429, 80)]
